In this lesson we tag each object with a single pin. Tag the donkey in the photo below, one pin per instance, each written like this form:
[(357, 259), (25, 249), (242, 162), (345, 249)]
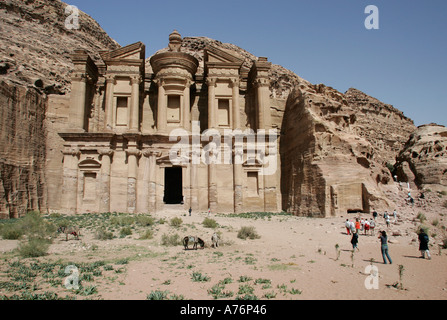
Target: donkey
[(215, 240), (75, 231), (194, 241)]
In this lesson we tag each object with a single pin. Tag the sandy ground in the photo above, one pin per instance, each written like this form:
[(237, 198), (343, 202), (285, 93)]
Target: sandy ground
[(296, 254)]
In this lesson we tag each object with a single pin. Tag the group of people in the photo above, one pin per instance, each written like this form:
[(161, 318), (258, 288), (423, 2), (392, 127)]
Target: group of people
[(354, 228)]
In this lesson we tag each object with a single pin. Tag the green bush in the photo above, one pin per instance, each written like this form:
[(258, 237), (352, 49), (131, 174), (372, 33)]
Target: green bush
[(103, 234), (145, 220), (210, 223), (148, 234), (170, 240), (11, 231), (124, 232), (175, 222), (247, 232), (34, 247)]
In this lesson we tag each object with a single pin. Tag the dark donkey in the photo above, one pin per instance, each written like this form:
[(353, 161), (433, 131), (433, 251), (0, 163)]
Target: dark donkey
[(194, 241), (75, 231)]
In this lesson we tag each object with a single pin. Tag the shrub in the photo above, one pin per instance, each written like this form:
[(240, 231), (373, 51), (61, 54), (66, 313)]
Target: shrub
[(149, 234), (175, 222), (421, 217), (11, 231), (247, 232), (198, 277), (124, 232), (145, 221), (170, 240), (34, 247), (209, 223), (103, 234)]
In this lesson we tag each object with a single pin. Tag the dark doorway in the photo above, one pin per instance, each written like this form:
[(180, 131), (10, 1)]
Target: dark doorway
[(173, 186)]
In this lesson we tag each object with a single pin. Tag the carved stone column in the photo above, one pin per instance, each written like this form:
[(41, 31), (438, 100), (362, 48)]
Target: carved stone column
[(151, 166), (77, 102), (135, 103), (187, 106), (263, 97), (161, 109), (110, 84), (235, 98), (212, 185), (211, 103), (132, 155), (70, 183), (106, 159), (238, 154)]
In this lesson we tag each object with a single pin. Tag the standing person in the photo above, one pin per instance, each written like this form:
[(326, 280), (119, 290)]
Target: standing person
[(367, 225), (357, 225), (387, 220), (372, 225), (395, 215), (423, 244), (384, 247), (190, 210), (374, 214), (209, 212), (355, 241), (348, 227)]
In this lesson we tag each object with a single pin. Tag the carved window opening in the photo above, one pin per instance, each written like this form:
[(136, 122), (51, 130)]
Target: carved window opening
[(122, 111), (223, 112), (173, 109), (252, 184)]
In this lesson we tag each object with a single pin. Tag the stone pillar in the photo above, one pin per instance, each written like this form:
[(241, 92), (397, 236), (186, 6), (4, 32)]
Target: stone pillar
[(132, 155), (212, 186), (135, 103), (211, 103), (237, 176), (77, 101), (110, 84), (104, 201), (151, 164), (187, 107), (161, 111), (235, 98), (70, 183), (263, 103)]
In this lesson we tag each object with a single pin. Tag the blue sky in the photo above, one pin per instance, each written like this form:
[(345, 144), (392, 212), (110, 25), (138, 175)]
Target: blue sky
[(403, 63)]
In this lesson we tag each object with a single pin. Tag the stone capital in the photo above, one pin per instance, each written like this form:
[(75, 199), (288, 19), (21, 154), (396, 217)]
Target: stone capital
[(135, 79), (148, 153), (133, 152), (75, 152), (235, 82), (78, 76), (105, 152), (211, 82), (110, 78), (261, 82)]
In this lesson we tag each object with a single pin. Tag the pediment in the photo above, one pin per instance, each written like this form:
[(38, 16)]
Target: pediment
[(135, 51), (215, 55)]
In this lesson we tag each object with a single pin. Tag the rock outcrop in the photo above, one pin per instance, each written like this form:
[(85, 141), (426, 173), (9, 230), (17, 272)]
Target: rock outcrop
[(34, 64), (423, 160), (36, 46)]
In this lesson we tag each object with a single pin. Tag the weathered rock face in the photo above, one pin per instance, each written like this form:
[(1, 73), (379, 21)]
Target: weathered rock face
[(385, 127), (22, 151), (326, 167), (423, 160), (34, 64), (36, 45)]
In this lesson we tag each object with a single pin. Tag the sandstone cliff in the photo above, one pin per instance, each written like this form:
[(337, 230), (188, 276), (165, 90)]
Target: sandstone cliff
[(423, 160), (35, 50), (35, 45), (334, 147)]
